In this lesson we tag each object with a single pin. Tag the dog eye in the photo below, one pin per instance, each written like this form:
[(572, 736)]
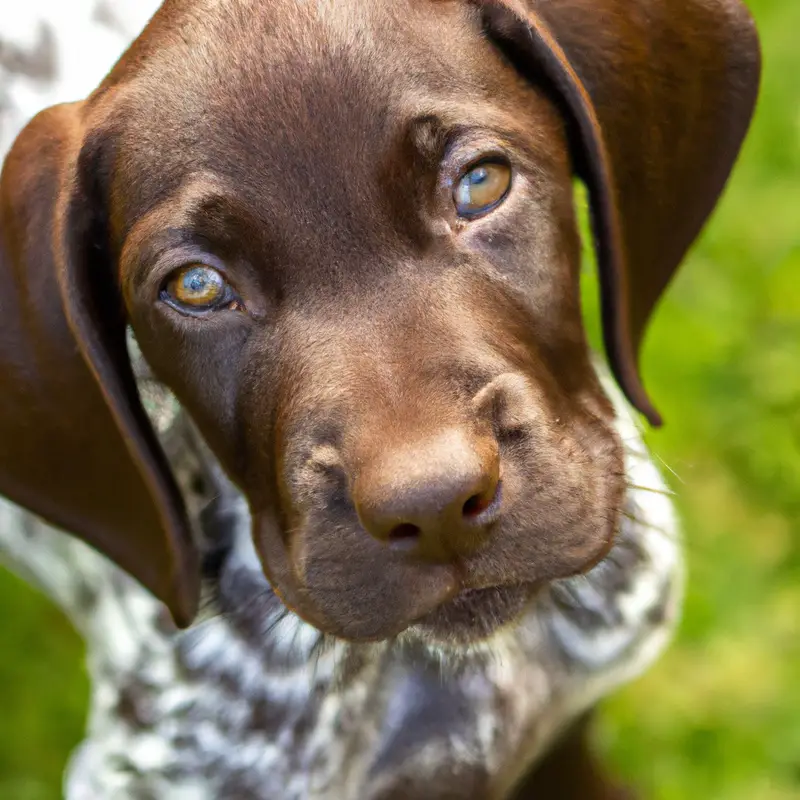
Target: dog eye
[(482, 188), (198, 287)]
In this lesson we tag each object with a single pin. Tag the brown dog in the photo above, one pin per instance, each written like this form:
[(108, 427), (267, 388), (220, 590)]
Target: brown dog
[(343, 234)]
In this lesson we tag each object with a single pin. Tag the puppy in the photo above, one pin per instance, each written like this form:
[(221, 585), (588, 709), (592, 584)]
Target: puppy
[(344, 238)]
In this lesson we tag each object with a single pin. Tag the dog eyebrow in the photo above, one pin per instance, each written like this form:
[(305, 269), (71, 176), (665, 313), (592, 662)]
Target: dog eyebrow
[(432, 134), (221, 218), (427, 134), (204, 209)]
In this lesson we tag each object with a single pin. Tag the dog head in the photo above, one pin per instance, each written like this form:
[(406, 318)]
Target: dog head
[(344, 236)]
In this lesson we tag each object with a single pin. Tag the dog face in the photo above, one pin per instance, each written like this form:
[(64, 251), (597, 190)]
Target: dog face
[(343, 234), (393, 366)]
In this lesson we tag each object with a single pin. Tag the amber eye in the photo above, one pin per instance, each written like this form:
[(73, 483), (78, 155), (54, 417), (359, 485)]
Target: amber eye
[(482, 188), (198, 287)]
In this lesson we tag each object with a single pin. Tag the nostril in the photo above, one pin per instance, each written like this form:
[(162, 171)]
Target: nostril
[(404, 532), (480, 502), (476, 505)]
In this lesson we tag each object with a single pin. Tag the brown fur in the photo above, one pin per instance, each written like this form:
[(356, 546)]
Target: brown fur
[(309, 151)]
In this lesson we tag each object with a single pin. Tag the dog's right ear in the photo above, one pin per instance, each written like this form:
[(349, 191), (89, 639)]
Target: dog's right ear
[(75, 444)]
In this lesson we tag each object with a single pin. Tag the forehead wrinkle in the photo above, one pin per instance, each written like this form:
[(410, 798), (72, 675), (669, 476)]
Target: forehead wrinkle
[(178, 212), (453, 119), (195, 189)]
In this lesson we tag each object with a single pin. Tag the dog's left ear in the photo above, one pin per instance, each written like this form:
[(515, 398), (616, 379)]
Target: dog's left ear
[(658, 96)]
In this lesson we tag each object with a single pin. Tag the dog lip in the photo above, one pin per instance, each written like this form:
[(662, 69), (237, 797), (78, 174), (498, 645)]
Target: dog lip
[(478, 593), (476, 613)]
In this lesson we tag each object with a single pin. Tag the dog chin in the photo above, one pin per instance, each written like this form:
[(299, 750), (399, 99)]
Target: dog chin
[(475, 614)]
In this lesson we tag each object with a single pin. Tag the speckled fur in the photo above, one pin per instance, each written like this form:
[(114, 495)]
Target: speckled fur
[(253, 703)]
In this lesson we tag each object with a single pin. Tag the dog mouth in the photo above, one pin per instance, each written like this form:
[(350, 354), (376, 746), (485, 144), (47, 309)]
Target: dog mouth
[(475, 614)]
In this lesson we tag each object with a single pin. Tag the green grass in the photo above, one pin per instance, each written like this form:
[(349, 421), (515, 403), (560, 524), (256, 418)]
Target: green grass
[(718, 717)]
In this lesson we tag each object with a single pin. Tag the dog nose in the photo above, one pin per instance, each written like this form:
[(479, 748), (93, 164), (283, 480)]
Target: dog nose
[(437, 499)]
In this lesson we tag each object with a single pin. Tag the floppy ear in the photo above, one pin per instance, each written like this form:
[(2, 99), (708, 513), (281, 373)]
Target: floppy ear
[(658, 95), (75, 444)]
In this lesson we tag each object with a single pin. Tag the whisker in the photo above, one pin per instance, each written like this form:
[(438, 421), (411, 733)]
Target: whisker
[(323, 645), (668, 467), (629, 439), (673, 535), (638, 487), (280, 615), (612, 557), (636, 452), (701, 549)]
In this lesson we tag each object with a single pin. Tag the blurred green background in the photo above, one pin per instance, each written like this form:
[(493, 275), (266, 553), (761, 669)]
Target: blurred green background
[(718, 717)]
